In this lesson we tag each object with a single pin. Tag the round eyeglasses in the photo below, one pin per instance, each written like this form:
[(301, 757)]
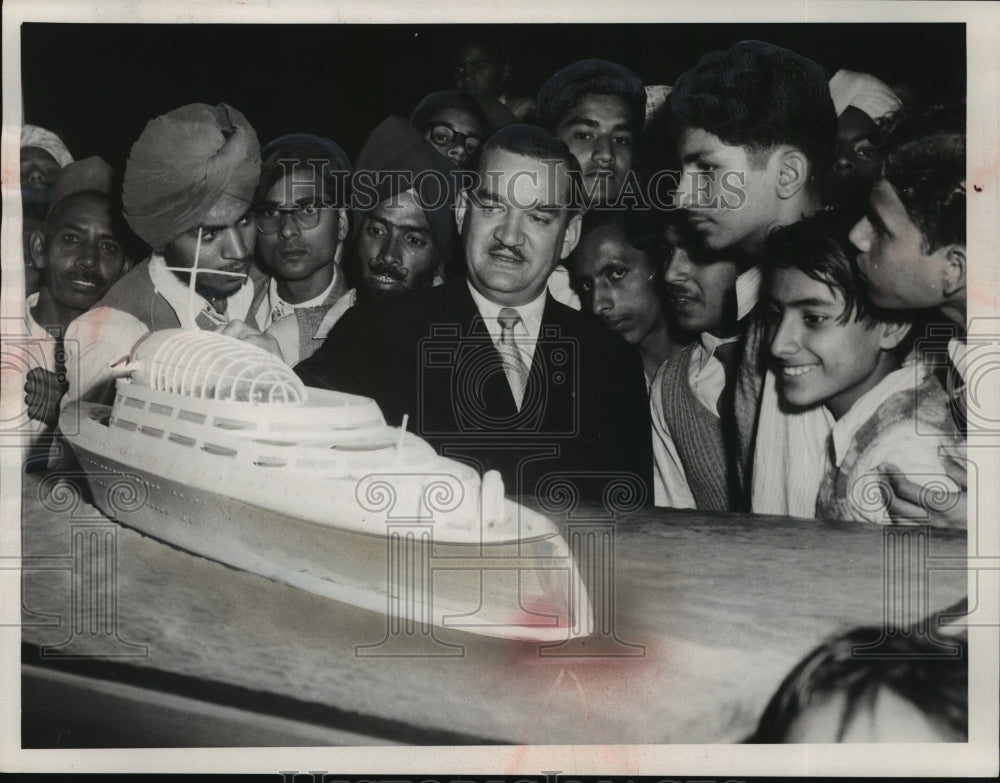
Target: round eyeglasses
[(306, 216), (442, 134)]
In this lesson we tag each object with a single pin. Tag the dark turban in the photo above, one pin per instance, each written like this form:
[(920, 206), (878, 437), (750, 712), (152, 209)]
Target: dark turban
[(182, 165), (396, 146), (299, 151)]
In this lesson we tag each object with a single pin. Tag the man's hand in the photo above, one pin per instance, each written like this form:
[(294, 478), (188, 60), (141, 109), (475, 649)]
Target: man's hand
[(241, 330), (949, 509), (43, 390)]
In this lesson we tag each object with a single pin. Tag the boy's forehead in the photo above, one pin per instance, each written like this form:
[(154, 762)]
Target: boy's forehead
[(794, 287)]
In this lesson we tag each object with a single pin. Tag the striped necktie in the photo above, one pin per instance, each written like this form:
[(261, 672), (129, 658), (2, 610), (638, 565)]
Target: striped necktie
[(513, 363)]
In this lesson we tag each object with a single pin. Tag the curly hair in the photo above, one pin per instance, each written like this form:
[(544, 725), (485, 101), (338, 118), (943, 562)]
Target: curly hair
[(925, 164)]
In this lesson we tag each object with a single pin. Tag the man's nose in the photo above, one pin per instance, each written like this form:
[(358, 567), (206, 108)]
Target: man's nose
[(785, 340), (88, 255), (843, 164), (603, 302), (457, 153), (35, 177), (861, 235), (236, 246), (678, 267), (289, 228), (604, 151), (685, 190), (509, 231), (390, 250)]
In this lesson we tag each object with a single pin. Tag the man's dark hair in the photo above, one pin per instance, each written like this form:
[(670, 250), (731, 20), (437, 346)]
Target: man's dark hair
[(448, 99), (758, 96), (818, 246), (925, 164), (915, 667), (534, 142), (302, 151), (567, 86)]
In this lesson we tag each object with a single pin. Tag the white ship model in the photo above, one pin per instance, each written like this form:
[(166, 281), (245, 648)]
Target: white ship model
[(234, 459)]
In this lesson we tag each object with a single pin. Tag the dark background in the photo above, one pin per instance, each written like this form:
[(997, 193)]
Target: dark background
[(98, 85)]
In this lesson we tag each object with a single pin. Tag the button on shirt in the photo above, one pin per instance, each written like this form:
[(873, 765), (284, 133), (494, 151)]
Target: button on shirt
[(707, 377)]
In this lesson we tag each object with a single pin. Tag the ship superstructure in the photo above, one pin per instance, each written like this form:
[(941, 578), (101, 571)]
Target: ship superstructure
[(238, 461)]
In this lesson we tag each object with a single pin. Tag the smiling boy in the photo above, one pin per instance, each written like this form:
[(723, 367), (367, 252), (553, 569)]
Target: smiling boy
[(830, 347)]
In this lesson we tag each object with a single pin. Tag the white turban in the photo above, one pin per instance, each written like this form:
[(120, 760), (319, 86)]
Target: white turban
[(33, 136), (862, 91)]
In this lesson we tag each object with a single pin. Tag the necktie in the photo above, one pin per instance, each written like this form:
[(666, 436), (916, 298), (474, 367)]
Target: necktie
[(728, 354), (513, 363)]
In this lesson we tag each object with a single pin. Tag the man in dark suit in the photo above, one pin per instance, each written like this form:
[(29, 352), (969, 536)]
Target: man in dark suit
[(489, 368)]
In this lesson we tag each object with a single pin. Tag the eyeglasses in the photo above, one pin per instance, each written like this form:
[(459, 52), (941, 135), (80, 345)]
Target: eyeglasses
[(306, 216), (443, 135)]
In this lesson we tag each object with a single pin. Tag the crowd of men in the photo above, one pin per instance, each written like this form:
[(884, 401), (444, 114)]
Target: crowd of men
[(718, 299)]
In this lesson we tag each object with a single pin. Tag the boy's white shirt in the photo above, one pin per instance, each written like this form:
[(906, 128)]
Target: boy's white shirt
[(706, 377), (789, 457), (915, 454)]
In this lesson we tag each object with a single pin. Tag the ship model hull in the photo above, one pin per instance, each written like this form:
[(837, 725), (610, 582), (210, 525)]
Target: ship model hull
[(363, 542)]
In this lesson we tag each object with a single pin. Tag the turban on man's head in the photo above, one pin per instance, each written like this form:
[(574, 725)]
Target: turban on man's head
[(33, 136), (862, 91), (182, 164), (396, 147)]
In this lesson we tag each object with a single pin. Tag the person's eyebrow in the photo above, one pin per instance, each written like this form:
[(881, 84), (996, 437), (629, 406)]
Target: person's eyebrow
[(580, 119), (401, 226), (548, 209), (808, 301), (72, 226), (696, 156), (485, 194)]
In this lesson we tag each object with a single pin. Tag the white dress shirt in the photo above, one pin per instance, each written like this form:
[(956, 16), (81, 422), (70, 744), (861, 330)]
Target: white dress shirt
[(525, 333)]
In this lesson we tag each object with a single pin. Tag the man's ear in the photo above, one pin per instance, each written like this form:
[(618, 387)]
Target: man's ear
[(572, 235), (793, 172), (343, 226), (461, 205), (893, 333), (36, 248), (954, 271)]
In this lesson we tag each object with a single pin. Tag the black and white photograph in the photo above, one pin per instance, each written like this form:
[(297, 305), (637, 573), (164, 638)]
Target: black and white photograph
[(507, 390)]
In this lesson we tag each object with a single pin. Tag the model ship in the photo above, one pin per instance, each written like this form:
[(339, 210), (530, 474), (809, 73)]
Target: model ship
[(236, 460)]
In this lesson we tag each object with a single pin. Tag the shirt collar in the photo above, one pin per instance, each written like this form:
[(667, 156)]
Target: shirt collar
[(846, 428), (275, 300), (531, 313), (747, 291), (176, 295)]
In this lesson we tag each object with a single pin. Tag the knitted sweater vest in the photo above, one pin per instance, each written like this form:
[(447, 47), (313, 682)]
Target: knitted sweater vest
[(307, 318), (697, 433), (929, 406)]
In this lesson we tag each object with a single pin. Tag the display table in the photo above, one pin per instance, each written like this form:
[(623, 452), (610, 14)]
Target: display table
[(159, 647)]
